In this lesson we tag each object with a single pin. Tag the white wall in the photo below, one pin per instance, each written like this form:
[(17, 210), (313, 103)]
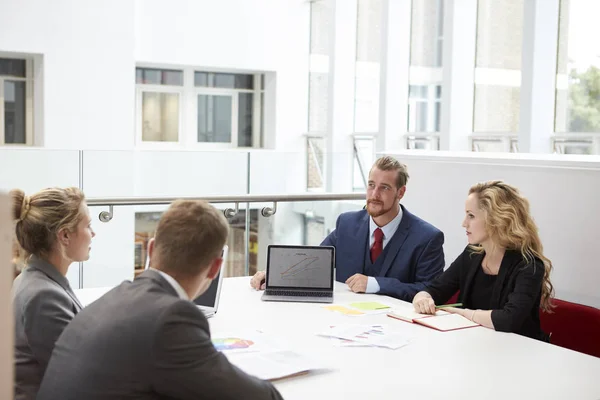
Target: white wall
[(88, 53), (88, 67), (564, 194), (256, 35)]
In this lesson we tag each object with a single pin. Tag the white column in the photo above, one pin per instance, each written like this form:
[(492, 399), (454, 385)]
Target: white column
[(394, 75), (460, 31), (6, 318), (340, 121), (538, 75)]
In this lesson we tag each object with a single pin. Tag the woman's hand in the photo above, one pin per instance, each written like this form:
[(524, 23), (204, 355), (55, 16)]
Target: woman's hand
[(423, 303)]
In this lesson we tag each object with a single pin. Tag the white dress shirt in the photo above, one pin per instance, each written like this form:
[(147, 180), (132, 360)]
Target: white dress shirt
[(388, 232), (180, 292)]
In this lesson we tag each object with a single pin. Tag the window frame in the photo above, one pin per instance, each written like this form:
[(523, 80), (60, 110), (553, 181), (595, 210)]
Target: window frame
[(209, 91), (188, 109), (144, 88), (29, 102), (431, 100)]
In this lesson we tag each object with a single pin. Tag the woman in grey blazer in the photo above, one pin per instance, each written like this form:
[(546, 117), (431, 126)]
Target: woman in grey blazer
[(53, 229)]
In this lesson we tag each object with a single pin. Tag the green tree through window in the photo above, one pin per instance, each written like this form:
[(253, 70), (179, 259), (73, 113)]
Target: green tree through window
[(584, 100)]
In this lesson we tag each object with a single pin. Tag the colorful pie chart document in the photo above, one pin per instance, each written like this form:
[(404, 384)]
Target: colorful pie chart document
[(258, 354)]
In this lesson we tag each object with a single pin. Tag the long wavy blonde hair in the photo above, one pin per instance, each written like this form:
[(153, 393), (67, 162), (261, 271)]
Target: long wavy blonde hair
[(510, 225)]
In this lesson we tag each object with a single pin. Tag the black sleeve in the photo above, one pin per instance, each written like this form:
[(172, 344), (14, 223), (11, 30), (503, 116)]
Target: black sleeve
[(522, 299), (447, 284), (187, 366)]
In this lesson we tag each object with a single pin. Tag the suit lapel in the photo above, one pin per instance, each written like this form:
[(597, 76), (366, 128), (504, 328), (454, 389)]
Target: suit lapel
[(51, 272), (396, 241), (360, 241)]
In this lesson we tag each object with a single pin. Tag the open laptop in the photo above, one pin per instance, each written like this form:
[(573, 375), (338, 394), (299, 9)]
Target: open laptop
[(299, 273), (208, 302)]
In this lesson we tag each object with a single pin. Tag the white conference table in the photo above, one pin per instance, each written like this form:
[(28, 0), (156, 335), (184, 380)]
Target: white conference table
[(474, 363)]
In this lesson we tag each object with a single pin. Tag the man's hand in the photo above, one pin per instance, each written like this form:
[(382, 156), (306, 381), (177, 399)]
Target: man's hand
[(258, 281), (357, 283)]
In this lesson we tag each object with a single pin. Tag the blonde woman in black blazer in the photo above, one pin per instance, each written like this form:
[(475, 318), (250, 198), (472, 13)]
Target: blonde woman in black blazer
[(53, 230), (502, 275)]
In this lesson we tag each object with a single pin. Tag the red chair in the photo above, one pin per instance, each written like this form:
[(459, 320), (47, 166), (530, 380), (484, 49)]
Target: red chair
[(573, 326), (454, 298)]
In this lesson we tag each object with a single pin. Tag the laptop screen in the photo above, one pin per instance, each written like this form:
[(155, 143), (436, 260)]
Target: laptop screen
[(209, 298), (300, 267)]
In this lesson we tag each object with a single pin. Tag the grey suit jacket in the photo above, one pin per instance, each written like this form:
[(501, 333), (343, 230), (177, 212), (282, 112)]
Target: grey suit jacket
[(141, 341), (43, 304)]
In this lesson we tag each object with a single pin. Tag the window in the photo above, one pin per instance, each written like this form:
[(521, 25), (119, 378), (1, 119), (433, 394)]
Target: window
[(314, 229), (498, 65), (159, 94), (427, 33), (16, 101), (368, 54), (211, 108), (321, 20), (425, 73), (146, 223), (226, 112), (424, 108), (578, 70)]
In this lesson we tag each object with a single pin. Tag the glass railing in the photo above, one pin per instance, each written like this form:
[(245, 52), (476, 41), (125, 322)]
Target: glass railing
[(125, 225), (422, 142), (576, 143), (315, 162), (500, 143), (571, 143), (364, 156)]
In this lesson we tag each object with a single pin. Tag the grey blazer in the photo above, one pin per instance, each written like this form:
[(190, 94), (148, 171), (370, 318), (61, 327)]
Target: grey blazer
[(141, 341), (43, 304)]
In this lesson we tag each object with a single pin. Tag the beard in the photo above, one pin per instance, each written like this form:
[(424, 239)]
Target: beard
[(377, 213)]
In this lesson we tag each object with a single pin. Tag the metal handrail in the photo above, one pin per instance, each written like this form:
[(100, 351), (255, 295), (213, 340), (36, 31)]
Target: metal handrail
[(106, 216), (246, 198)]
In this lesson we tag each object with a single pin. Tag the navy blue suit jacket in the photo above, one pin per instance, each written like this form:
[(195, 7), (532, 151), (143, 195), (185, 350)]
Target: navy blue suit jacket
[(413, 257)]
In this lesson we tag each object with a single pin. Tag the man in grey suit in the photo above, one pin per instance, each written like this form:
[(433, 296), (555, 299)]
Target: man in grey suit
[(145, 339)]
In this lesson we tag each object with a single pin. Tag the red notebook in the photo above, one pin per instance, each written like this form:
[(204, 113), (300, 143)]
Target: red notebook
[(441, 320)]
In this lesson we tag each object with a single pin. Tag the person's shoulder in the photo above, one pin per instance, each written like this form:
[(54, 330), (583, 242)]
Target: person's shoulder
[(530, 265), (176, 311), (33, 284), (42, 299), (352, 216), (420, 224)]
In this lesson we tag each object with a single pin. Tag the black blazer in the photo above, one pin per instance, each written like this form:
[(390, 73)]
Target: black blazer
[(516, 294), (141, 341)]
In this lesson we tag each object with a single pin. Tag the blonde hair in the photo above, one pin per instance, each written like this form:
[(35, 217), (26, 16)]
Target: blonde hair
[(189, 236), (387, 163), (40, 217), (509, 223)]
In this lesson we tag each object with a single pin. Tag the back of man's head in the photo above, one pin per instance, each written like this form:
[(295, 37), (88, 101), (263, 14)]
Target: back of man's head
[(189, 237)]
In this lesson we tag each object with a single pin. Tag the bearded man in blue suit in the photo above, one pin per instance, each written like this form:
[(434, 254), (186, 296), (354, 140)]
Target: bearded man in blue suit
[(384, 249)]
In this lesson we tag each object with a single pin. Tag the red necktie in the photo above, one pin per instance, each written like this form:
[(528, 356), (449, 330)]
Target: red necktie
[(377, 247)]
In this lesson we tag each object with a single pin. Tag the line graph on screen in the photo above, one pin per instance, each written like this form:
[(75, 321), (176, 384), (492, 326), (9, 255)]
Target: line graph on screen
[(294, 268)]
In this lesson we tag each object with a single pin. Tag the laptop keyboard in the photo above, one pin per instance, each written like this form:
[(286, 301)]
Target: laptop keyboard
[(297, 293)]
